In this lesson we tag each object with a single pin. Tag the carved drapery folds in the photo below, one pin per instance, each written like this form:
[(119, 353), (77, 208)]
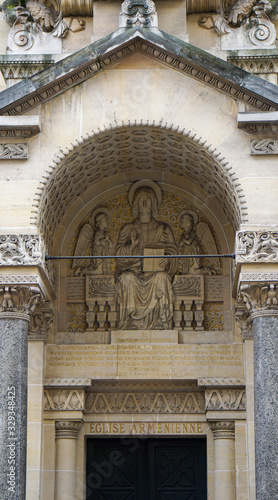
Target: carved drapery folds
[(157, 292)]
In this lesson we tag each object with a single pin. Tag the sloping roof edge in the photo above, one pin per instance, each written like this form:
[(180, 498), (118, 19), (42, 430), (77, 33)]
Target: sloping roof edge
[(120, 44)]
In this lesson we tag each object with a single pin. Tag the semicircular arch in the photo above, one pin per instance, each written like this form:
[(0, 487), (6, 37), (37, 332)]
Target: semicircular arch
[(125, 154)]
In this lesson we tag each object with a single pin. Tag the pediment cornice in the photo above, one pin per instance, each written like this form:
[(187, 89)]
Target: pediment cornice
[(165, 48)]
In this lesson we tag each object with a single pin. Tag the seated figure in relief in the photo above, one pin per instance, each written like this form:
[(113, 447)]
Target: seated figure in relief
[(94, 237), (190, 244), (144, 286)]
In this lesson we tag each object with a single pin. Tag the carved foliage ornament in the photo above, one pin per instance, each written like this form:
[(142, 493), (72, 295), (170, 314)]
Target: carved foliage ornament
[(223, 430), (20, 249), (250, 18), (260, 298), (67, 429), (19, 299), (138, 13), (255, 246), (41, 322)]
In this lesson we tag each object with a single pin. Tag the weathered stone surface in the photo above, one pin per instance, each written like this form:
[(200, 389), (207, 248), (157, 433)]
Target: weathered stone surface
[(266, 409), (13, 407)]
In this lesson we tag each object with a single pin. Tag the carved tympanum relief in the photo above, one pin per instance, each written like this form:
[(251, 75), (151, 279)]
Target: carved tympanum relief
[(150, 293)]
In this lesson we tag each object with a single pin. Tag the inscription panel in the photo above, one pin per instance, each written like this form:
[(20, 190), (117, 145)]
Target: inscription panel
[(182, 361), (146, 428), (95, 361), (145, 361)]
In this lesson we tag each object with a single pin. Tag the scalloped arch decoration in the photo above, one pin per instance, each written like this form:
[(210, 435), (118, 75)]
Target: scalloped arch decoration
[(134, 147)]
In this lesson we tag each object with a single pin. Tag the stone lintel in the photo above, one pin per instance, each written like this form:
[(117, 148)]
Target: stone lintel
[(15, 127)]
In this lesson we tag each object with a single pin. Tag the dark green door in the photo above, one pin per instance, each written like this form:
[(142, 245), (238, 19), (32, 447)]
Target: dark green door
[(146, 469)]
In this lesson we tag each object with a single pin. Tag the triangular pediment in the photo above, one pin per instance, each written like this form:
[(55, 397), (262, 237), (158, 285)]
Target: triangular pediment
[(167, 49)]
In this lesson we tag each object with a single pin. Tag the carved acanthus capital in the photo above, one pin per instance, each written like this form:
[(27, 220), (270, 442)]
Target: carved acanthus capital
[(257, 246), (138, 13), (41, 322), (223, 429), (67, 429), (260, 299), (19, 301)]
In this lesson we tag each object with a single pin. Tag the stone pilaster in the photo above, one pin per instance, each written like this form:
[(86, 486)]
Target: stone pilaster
[(224, 460), (16, 306), (261, 300), (66, 433)]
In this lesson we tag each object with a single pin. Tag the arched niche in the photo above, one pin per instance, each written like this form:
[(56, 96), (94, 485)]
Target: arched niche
[(106, 164)]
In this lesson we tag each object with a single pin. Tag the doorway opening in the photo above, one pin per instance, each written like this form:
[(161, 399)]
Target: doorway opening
[(146, 469)]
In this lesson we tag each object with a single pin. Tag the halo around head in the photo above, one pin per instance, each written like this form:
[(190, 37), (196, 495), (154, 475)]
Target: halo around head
[(145, 183), (100, 210), (189, 212)]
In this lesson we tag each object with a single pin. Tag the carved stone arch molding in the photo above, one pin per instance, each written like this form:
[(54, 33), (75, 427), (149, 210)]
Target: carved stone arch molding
[(124, 154)]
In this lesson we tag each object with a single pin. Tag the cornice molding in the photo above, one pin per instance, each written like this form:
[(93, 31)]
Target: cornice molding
[(167, 49)]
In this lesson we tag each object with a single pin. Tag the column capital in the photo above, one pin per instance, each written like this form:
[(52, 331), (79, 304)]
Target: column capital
[(19, 301), (224, 429), (67, 429), (260, 299)]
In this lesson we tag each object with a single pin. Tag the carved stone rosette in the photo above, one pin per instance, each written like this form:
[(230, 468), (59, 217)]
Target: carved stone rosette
[(223, 429), (67, 429)]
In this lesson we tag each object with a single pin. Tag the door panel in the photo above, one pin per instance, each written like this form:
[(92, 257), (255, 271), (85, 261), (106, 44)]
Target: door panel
[(149, 469)]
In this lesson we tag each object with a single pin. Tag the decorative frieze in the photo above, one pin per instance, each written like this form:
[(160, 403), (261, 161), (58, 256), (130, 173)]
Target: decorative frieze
[(223, 429), (220, 382), (264, 147), (64, 399), (256, 246), (67, 429), (22, 249), (14, 151), (149, 402), (70, 382), (225, 399)]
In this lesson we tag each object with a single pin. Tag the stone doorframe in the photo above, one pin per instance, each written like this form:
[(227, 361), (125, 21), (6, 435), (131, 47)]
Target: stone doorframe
[(75, 409)]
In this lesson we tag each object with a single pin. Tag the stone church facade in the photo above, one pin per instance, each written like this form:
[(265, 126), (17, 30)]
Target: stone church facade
[(138, 250)]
